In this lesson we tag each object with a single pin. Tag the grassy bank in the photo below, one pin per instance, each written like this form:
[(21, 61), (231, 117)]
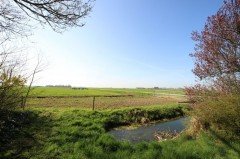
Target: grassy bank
[(76, 133)]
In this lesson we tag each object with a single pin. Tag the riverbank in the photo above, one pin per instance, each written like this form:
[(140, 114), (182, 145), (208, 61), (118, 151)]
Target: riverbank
[(134, 126), (77, 133)]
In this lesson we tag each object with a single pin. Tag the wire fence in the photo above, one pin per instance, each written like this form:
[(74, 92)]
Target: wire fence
[(100, 102)]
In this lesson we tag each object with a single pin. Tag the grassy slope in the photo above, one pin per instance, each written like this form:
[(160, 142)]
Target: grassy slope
[(76, 133), (59, 91)]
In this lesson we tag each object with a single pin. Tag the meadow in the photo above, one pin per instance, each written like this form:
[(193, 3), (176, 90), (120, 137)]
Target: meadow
[(104, 98), (68, 91), (51, 127)]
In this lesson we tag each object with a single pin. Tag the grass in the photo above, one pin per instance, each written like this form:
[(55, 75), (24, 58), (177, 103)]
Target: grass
[(61, 91), (76, 133), (67, 97)]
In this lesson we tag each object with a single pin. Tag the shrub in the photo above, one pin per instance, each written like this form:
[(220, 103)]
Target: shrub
[(11, 90), (221, 114)]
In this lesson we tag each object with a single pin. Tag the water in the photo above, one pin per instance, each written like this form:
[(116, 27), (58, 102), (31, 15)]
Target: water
[(146, 132)]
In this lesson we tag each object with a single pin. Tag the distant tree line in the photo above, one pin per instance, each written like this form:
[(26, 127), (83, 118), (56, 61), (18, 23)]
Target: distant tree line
[(66, 86)]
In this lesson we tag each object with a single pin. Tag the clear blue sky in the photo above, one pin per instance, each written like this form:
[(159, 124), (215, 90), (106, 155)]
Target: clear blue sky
[(126, 43)]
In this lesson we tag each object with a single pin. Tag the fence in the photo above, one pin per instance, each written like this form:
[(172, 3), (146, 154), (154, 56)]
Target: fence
[(76, 101), (99, 102)]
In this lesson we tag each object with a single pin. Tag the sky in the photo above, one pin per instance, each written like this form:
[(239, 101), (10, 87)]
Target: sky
[(125, 44)]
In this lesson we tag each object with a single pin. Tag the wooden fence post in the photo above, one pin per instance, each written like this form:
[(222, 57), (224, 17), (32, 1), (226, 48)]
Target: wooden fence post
[(22, 103), (93, 103)]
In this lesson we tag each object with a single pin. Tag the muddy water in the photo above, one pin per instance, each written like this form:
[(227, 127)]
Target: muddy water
[(146, 132)]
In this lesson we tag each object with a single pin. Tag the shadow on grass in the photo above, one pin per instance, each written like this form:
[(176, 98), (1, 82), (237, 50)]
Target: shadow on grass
[(19, 131), (226, 142)]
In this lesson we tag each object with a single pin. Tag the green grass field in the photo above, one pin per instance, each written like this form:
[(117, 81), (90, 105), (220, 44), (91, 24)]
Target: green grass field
[(67, 97), (61, 91)]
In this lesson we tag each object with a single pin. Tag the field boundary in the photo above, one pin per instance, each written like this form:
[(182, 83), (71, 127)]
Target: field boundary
[(85, 96)]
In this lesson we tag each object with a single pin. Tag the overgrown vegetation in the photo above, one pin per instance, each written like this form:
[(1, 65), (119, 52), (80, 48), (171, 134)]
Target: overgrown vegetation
[(219, 114)]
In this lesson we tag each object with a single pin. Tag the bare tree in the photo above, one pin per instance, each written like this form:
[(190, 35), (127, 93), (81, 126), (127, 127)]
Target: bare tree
[(31, 77), (11, 20), (58, 14)]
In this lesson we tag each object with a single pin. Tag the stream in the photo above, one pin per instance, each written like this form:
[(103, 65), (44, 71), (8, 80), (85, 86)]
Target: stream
[(146, 132)]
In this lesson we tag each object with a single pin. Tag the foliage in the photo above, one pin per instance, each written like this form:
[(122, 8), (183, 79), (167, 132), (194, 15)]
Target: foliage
[(11, 90), (217, 64), (221, 113), (217, 49)]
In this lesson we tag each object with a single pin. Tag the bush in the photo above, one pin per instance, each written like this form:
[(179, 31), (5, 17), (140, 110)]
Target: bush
[(11, 91), (219, 114), (11, 94)]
